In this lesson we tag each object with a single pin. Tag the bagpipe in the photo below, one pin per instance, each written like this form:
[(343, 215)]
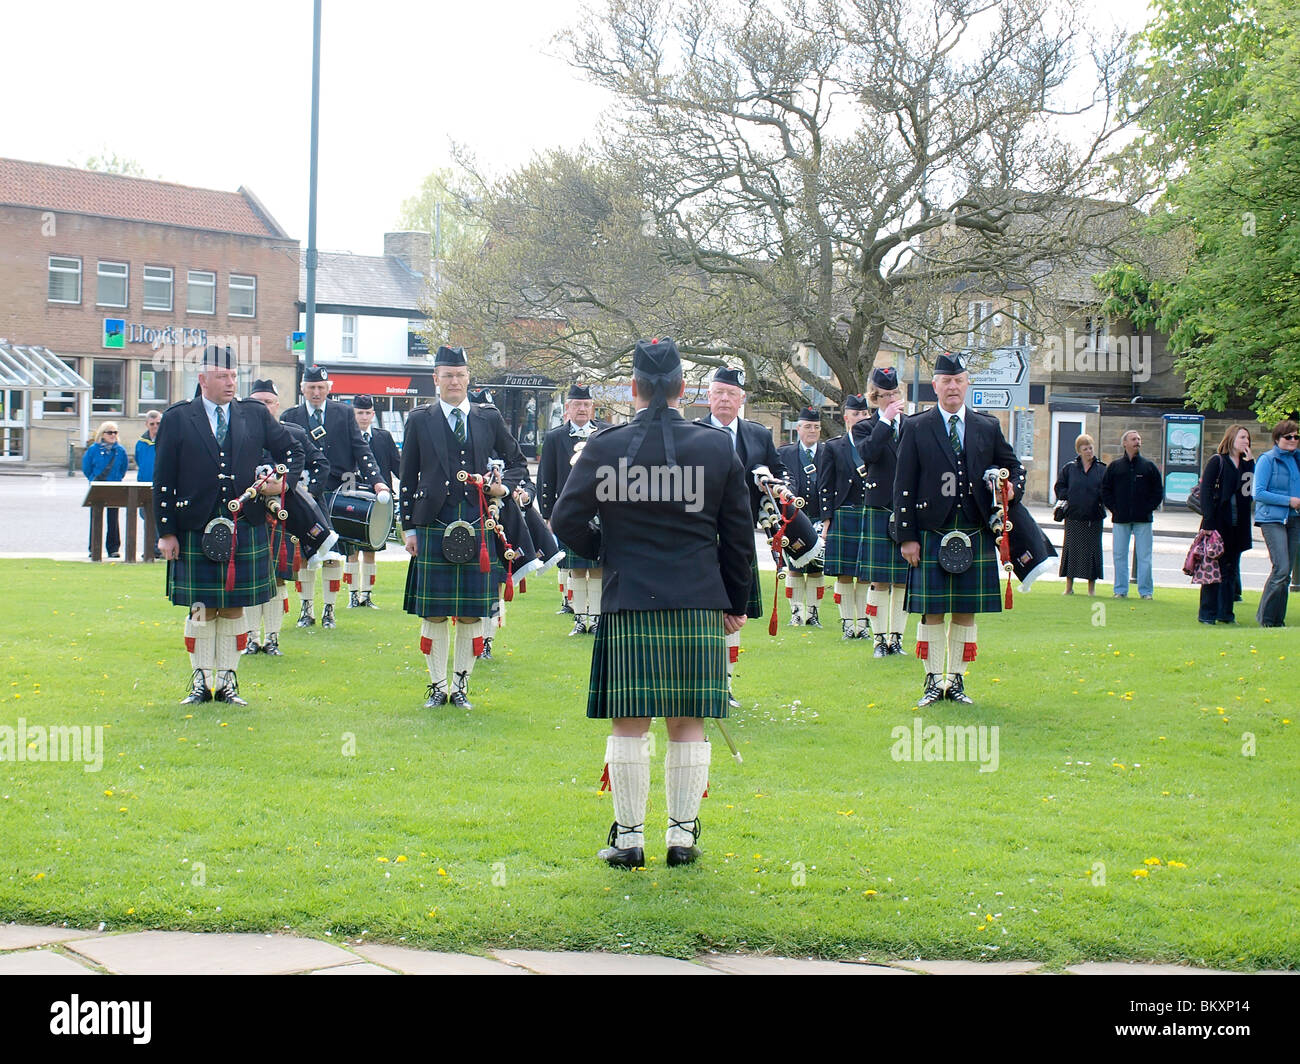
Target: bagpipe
[(790, 532), (305, 522), (492, 516), (1023, 548), (221, 536)]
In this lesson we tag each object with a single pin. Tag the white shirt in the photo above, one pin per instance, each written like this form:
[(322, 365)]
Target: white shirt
[(211, 409), (463, 407), (961, 422), (732, 428)]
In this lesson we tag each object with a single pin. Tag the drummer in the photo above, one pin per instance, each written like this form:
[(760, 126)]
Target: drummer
[(840, 494), (361, 562), (804, 587), (880, 561)]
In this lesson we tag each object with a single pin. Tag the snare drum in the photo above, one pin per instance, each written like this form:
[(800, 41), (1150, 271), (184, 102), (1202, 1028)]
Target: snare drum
[(361, 517)]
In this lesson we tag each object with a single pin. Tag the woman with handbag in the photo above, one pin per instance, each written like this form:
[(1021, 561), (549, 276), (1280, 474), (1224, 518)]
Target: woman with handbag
[(1226, 508), (1078, 494)]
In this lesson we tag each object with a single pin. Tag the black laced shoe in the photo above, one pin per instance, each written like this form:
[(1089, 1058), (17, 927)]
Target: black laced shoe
[(846, 629), (228, 691), (933, 691), (565, 608), (486, 655), (437, 695), (882, 648), (272, 646), (622, 857), (593, 622), (364, 599), (252, 646), (354, 600), (812, 621), (896, 643), (306, 618), (578, 626), (683, 855), (327, 618), (957, 693), (198, 690), (460, 695), (796, 618)]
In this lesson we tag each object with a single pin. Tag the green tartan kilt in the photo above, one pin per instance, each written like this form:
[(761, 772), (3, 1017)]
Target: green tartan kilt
[(881, 559), (436, 587), (277, 535), (659, 663), (932, 590), (577, 561), (754, 608), (844, 544), (193, 579)]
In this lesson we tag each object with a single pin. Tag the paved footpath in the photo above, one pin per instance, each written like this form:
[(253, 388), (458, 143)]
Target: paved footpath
[(28, 950)]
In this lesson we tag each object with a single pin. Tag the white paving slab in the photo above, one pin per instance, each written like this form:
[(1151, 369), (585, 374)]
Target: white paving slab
[(41, 962), (426, 962), (544, 963), (24, 936), (188, 953), (743, 964)]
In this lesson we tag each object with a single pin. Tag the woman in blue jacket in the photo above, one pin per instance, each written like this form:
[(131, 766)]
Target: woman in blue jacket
[(106, 461), (1277, 513)]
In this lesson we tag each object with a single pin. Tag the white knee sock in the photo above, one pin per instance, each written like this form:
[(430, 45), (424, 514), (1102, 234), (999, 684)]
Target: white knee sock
[(352, 574), (201, 642), (686, 777), (961, 647), (860, 606), (844, 601), (594, 585), (305, 582), (930, 647), (897, 615), (434, 640), (733, 655), (368, 571), (331, 580), (628, 758), (878, 608), (231, 639), (578, 595), (469, 644)]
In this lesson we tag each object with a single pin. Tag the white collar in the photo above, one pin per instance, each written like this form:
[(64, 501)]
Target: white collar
[(211, 408), (733, 428), (447, 408), (947, 417)]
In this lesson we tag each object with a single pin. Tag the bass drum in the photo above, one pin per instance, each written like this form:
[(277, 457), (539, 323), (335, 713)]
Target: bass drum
[(361, 516), (1032, 553), (307, 522)]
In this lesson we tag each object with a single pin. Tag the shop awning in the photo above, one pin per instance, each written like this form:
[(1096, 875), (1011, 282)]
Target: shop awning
[(28, 368), (378, 384)]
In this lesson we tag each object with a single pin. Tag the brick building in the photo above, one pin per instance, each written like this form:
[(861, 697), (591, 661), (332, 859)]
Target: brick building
[(124, 280)]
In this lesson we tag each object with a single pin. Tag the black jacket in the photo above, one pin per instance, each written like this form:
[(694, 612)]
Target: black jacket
[(931, 481), (879, 451), (383, 448), (556, 461), (803, 481), (428, 464), (342, 444), (668, 554), (1227, 501), (192, 482), (1131, 491), (755, 446), (1081, 491), (316, 467), (838, 481)]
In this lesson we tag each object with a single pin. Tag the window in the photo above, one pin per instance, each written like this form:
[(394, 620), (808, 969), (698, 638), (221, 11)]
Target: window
[(65, 280), (157, 288), (1098, 331), (155, 386), (190, 380), (58, 403), (107, 379), (979, 326), (112, 284), (243, 296), (349, 334), (201, 292)]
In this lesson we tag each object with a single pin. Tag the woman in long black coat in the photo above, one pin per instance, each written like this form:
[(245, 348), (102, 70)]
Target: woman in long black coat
[(1227, 502), (1079, 486)]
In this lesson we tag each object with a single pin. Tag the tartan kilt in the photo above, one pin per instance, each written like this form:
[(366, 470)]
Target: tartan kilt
[(754, 608), (577, 561), (436, 587), (844, 544), (659, 663), (195, 580), (932, 590), (881, 559), (278, 534)]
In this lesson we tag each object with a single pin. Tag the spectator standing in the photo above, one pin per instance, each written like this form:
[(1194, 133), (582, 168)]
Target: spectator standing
[(1226, 508), (1079, 486), (144, 456), (105, 460), (1131, 489), (1277, 513)]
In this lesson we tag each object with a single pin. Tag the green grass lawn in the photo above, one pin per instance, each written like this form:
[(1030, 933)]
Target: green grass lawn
[(1120, 743)]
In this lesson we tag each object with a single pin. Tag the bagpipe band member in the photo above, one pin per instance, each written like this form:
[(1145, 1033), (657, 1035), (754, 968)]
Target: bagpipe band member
[(753, 444), (219, 562), (804, 586), (881, 562), (453, 571), (333, 428), (942, 511), (559, 448), (361, 570), (677, 576), (841, 494)]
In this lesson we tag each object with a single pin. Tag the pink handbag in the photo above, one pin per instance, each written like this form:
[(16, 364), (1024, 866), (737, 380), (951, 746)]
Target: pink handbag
[(1202, 561)]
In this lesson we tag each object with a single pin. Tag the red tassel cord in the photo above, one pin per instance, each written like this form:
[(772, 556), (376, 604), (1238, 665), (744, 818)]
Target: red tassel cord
[(788, 511), (230, 566), (1004, 545)]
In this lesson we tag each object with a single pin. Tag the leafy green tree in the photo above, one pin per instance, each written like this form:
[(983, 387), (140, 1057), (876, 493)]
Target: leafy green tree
[(112, 163), (444, 208)]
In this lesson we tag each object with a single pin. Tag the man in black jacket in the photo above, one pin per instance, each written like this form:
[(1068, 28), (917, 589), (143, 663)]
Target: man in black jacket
[(942, 501), (841, 480), (1131, 489), (454, 570), (879, 560), (582, 575), (753, 443), (334, 430), (677, 541), (804, 587), (208, 451), (383, 448)]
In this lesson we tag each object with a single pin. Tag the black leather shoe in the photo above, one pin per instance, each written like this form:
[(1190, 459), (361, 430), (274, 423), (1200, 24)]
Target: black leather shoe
[(812, 620), (353, 598), (228, 691), (681, 855), (327, 618), (487, 649), (933, 691), (437, 696), (566, 608), (460, 699), (592, 624), (252, 646), (364, 599), (622, 857), (846, 630), (272, 646), (306, 618), (882, 648), (896, 643), (198, 690), (578, 626), (957, 693), (796, 619), (732, 700)]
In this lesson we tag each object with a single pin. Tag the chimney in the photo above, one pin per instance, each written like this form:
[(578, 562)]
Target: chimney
[(413, 247)]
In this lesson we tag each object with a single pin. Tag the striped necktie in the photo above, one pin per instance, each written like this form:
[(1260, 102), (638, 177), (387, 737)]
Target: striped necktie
[(953, 438), (458, 423), (222, 428)]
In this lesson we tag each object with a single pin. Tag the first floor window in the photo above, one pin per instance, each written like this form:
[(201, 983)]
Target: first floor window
[(201, 292), (243, 296), (112, 278), (108, 379), (349, 334), (157, 288), (65, 280)]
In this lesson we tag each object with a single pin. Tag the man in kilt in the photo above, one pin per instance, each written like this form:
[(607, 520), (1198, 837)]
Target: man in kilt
[(360, 575), (881, 562), (940, 494), (442, 519), (583, 591), (753, 443), (333, 428), (208, 451), (677, 574), (840, 495), (804, 587), (270, 618)]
